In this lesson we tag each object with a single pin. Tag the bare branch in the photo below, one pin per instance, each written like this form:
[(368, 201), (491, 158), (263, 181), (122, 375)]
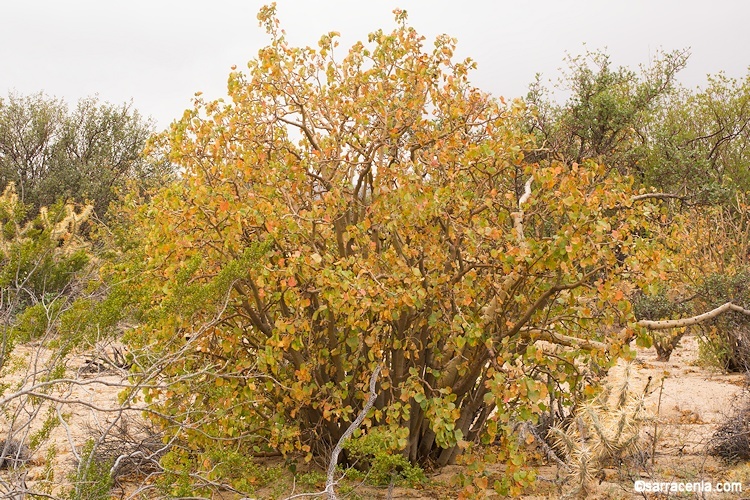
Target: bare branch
[(694, 320), (563, 340), (330, 483)]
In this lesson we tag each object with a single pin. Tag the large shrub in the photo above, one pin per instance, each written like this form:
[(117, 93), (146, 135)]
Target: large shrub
[(333, 216)]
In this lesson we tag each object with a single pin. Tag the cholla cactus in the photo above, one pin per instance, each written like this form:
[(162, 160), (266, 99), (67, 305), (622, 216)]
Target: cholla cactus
[(604, 432), (64, 230), (10, 210), (67, 229)]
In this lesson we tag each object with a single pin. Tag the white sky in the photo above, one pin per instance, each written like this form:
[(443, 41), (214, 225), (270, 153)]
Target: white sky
[(158, 53)]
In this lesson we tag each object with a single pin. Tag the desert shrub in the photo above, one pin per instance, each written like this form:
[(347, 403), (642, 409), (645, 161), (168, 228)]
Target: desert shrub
[(13, 453), (37, 320), (87, 154), (377, 212), (225, 468), (726, 339), (39, 264), (311, 480), (133, 447), (234, 468), (658, 306), (378, 453), (41, 257), (91, 480)]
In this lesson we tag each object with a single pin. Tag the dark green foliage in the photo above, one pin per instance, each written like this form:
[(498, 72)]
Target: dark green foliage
[(607, 111), (690, 143), (658, 306), (84, 155), (698, 142), (717, 289)]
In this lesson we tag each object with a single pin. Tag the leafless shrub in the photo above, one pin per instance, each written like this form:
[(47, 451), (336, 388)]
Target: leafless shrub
[(133, 447), (103, 361), (731, 441), (13, 454)]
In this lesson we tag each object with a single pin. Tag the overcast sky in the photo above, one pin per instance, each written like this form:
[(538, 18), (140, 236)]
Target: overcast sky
[(159, 53)]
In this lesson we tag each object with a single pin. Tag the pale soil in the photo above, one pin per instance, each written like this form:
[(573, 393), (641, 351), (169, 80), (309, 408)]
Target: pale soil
[(694, 400), (88, 411)]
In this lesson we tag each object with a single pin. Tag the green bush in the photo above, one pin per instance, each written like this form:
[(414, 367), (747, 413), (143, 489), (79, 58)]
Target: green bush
[(229, 467), (91, 480), (377, 454), (312, 480)]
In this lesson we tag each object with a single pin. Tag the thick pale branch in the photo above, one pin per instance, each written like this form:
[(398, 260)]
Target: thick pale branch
[(694, 320), (526, 192), (518, 216), (330, 483)]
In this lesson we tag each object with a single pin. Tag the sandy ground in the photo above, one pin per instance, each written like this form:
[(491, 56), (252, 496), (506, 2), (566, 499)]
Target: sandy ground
[(78, 412), (689, 406), (694, 399)]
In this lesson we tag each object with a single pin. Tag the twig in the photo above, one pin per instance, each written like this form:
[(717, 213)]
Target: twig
[(656, 424), (657, 196)]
